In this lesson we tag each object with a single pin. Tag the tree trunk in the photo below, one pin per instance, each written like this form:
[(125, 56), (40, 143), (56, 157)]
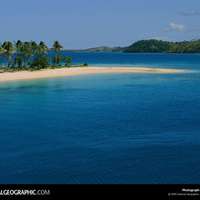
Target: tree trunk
[(9, 62), (2, 60), (6, 62), (56, 57)]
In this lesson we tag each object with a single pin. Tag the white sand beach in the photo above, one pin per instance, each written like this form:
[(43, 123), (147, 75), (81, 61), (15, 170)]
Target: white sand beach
[(59, 72)]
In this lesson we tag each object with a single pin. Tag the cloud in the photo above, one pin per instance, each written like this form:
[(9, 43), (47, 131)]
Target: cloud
[(175, 27), (190, 13)]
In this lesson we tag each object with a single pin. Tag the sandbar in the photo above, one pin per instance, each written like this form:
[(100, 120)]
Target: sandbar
[(59, 72)]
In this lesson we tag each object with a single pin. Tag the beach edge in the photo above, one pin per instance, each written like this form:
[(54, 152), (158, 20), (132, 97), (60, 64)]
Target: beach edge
[(74, 71)]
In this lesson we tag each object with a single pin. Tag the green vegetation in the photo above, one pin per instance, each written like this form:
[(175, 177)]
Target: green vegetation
[(158, 46), (30, 56), (85, 64), (148, 46), (68, 61), (40, 62), (57, 47), (8, 49), (57, 59), (60, 59)]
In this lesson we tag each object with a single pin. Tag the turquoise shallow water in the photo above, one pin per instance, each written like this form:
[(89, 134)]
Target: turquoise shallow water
[(108, 128)]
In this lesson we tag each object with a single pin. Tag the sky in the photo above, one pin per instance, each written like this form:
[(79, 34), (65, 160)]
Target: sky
[(81, 24)]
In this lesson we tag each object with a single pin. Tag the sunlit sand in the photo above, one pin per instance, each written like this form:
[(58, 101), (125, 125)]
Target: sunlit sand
[(59, 72)]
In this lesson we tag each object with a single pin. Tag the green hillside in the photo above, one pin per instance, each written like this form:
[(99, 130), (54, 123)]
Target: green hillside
[(158, 46), (148, 46)]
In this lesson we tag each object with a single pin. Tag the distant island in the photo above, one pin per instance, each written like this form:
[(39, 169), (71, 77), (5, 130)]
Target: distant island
[(159, 46), (149, 46), (96, 49)]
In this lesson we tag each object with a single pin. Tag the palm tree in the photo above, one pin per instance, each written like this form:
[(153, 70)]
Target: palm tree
[(24, 53), (33, 46), (2, 54), (17, 44), (57, 46), (43, 47), (18, 60), (8, 46)]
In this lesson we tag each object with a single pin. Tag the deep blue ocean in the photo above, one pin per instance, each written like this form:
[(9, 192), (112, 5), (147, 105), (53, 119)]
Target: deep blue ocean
[(106, 128)]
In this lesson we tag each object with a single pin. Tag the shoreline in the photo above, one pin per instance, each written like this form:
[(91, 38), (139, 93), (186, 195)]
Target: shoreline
[(61, 72)]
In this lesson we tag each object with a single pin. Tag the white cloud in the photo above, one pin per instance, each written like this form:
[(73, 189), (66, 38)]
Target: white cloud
[(175, 27), (191, 12)]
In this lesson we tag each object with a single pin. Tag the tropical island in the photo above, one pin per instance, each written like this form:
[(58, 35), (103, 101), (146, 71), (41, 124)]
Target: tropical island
[(33, 56), (25, 57), (30, 56), (159, 46), (149, 46), (95, 49)]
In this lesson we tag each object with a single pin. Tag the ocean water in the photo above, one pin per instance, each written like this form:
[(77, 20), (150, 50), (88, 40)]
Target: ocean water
[(170, 61), (106, 128)]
